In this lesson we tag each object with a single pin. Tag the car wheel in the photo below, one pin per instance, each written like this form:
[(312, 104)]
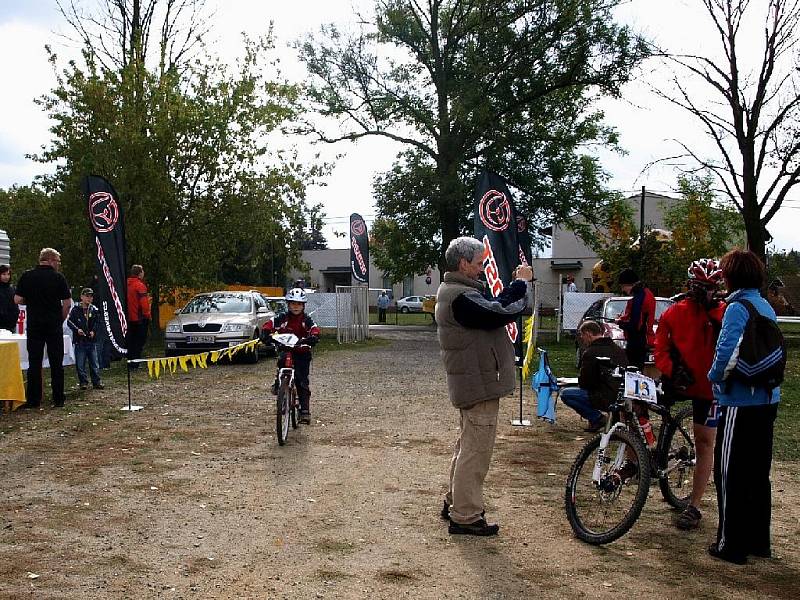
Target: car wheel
[(404, 309)]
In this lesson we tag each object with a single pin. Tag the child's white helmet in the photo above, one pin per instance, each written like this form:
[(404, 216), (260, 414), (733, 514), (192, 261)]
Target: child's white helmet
[(296, 295)]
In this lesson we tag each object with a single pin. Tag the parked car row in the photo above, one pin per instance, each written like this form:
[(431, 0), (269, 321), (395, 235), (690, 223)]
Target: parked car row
[(218, 320)]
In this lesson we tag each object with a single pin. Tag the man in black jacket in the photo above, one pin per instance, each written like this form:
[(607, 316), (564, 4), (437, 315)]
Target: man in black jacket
[(597, 388)]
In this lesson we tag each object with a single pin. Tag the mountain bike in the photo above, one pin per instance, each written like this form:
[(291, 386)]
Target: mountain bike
[(609, 481), (288, 403)]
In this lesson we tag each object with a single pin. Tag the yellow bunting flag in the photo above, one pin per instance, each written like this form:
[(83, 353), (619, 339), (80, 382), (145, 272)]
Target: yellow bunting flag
[(150, 368), (214, 356), (528, 339), (182, 362), (157, 367)]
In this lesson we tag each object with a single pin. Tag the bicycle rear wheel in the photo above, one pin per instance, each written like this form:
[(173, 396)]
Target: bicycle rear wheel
[(679, 459), (601, 512), (282, 414)]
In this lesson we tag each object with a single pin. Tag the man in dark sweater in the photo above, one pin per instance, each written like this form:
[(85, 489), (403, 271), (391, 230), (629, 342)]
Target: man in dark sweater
[(46, 296), (597, 388)]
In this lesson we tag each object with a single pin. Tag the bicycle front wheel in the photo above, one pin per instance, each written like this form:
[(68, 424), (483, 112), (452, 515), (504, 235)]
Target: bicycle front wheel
[(678, 459), (294, 409), (282, 414), (604, 510)]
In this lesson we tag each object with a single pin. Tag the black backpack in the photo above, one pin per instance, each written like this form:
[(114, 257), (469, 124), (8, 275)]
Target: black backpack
[(762, 352)]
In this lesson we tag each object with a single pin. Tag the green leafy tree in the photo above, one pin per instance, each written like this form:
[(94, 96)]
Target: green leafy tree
[(503, 84), (184, 140)]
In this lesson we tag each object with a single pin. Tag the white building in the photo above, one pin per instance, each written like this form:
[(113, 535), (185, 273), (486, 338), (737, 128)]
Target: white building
[(571, 256), (329, 268)]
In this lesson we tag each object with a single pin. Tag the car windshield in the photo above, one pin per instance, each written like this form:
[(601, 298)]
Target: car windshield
[(616, 307), (218, 303), (277, 305)]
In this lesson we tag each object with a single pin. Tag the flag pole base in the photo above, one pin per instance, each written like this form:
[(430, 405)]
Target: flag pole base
[(520, 422), (132, 408)]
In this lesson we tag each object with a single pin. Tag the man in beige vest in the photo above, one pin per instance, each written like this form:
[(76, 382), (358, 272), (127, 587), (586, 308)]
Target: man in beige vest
[(479, 362)]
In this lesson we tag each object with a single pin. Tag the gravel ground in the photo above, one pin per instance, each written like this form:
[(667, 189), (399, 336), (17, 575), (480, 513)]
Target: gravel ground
[(193, 498)]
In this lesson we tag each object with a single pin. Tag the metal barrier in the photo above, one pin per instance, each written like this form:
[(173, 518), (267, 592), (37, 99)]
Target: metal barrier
[(352, 313)]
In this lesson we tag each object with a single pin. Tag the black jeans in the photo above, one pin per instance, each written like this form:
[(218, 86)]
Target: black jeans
[(137, 335), (53, 337), (302, 367)]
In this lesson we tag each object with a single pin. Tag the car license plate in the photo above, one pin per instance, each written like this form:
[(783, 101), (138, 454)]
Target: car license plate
[(201, 339)]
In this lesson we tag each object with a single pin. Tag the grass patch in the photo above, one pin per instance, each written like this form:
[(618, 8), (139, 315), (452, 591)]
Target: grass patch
[(787, 425), (394, 318)]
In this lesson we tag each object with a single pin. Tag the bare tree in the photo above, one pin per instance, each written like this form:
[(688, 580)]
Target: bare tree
[(751, 115), (118, 32)]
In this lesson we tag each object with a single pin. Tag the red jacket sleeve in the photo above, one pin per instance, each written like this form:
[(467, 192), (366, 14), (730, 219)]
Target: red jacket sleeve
[(663, 343)]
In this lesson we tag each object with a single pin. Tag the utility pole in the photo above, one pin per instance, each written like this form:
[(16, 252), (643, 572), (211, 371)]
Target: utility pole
[(641, 222)]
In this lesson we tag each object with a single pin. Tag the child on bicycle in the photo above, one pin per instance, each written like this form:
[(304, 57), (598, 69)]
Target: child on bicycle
[(296, 321)]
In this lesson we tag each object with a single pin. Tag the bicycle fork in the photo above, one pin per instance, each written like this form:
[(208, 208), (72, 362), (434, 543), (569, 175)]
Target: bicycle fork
[(601, 452)]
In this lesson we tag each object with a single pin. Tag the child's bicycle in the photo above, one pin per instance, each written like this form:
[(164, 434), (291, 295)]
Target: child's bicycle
[(288, 403), (610, 479)]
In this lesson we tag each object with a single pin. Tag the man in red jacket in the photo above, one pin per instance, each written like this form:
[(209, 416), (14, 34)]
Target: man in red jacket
[(638, 318), (138, 314), (685, 342)]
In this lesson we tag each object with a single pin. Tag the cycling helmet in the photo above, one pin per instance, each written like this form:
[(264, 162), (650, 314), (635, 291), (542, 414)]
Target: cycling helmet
[(705, 271), (296, 295)]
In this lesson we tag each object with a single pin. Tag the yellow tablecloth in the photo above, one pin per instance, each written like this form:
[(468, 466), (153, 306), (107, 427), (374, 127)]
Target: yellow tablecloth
[(11, 388)]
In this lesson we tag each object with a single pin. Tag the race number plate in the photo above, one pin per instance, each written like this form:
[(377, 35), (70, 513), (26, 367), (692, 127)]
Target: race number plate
[(201, 339), (640, 387)]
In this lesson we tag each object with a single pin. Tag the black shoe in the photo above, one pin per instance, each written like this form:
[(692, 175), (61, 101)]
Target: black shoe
[(761, 553), (479, 527), (84, 386), (58, 404), (99, 386), (597, 425), (714, 551), (305, 418), (274, 389), (446, 512)]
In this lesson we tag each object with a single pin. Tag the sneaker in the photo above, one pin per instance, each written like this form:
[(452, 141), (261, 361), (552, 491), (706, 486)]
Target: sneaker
[(84, 386), (628, 471), (714, 551), (689, 518), (597, 425), (99, 386), (305, 418), (479, 527), (445, 511)]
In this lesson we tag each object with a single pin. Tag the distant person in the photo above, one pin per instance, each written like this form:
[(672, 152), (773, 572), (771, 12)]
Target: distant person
[(638, 318), (9, 311), (571, 287), (597, 389), (684, 350), (138, 314), (45, 294), (103, 341), (479, 364), (383, 304), (84, 321), (743, 451)]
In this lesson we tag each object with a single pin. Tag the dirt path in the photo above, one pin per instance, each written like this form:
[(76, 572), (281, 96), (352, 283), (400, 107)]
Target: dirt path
[(192, 498)]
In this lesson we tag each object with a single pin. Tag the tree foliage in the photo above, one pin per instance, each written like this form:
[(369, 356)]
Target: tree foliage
[(749, 111), (700, 227), (503, 84), (190, 146)]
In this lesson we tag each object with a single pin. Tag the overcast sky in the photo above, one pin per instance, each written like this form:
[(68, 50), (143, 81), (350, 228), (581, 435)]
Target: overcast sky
[(647, 124)]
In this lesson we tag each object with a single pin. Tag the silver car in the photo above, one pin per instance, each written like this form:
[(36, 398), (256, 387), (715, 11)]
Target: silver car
[(217, 320)]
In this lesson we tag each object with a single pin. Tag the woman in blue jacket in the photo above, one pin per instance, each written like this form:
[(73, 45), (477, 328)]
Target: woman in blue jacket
[(743, 452)]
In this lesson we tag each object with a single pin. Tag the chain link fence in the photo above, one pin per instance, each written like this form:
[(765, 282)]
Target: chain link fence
[(352, 313)]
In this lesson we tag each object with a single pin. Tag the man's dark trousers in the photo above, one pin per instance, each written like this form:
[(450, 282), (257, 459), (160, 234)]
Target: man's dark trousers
[(54, 339), (137, 335)]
